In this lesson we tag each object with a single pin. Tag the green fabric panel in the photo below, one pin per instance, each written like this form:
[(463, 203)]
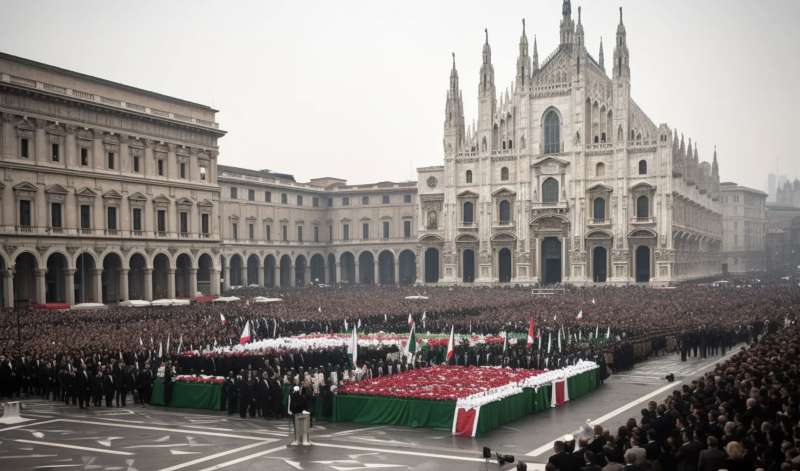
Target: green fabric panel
[(582, 384), (496, 414), (189, 395), (375, 410), (541, 399)]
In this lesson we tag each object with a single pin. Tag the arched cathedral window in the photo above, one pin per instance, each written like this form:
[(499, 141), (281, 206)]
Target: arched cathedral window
[(552, 133)]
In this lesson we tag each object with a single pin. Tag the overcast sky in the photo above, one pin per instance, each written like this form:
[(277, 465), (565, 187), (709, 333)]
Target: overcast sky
[(356, 89)]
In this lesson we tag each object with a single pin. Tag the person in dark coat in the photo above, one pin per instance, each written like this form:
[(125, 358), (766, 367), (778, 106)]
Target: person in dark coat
[(262, 396), (245, 396), (712, 458), (108, 387), (298, 402), (231, 393), (97, 389), (83, 386), (561, 460)]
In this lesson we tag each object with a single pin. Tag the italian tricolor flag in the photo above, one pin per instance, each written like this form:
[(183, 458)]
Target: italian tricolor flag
[(559, 393)]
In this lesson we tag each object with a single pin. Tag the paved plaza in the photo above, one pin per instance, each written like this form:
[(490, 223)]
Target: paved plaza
[(149, 438)]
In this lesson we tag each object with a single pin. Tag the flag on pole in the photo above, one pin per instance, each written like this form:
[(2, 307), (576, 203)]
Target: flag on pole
[(559, 340), (549, 341), (608, 333), (555, 316), (274, 327), (352, 348), (505, 344), (580, 315), (539, 336), (345, 326), (531, 333), (160, 349), (169, 345), (180, 345), (359, 323), (597, 331), (245, 337), (140, 341), (423, 319), (580, 335), (222, 318), (319, 308), (411, 344), (593, 301), (410, 319), (451, 345), (385, 318)]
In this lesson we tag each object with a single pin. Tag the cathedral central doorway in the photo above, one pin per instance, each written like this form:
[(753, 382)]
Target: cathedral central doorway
[(599, 264), (468, 266), (642, 264), (551, 260), (504, 265)]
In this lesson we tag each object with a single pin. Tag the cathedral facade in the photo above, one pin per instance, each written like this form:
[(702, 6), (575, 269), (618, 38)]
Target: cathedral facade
[(563, 178)]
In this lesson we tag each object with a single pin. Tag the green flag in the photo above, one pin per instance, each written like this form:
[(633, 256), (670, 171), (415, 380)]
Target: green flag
[(411, 344)]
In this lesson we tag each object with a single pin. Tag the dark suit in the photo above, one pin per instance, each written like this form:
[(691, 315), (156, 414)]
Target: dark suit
[(562, 461), (711, 459), (688, 455)]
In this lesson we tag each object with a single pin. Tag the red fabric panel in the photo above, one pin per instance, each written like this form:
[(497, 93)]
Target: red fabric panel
[(464, 422)]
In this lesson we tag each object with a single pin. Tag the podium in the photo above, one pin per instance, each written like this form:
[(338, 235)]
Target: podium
[(302, 424)]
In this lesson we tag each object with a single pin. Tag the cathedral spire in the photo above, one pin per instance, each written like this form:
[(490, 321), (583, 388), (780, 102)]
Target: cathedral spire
[(579, 31), (535, 54), (567, 24), (487, 70), (523, 62), (454, 76), (454, 114), (621, 55), (600, 56)]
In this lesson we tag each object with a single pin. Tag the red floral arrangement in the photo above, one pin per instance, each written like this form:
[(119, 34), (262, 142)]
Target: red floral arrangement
[(438, 383), (489, 339), (200, 379)]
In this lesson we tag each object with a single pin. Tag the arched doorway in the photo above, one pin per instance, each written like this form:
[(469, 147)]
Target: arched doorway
[(136, 288), (160, 277), (331, 269), (468, 266), (252, 270), (112, 268), (235, 271), (317, 269), (347, 263), (300, 271), (366, 268), (55, 285), (84, 275), (183, 273), (551, 260), (286, 271), (408, 267), (386, 268), (25, 280), (269, 271), (642, 264), (204, 267), (432, 265), (504, 265), (599, 264)]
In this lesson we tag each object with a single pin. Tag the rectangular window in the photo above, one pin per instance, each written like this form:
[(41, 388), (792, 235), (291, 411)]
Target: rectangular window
[(315, 202), (407, 229), (365, 231), (136, 164), (316, 233), (330, 202), (161, 221), (203, 174), (235, 231), (23, 148), (330, 233), (268, 196), (385, 229), (111, 219), (251, 195), (284, 198), (299, 233), (204, 229), (285, 230), (406, 198), (346, 232), (137, 219), (299, 200), (364, 200), (55, 215), (111, 161), (86, 216), (183, 169), (251, 231), (345, 201), (385, 199), (268, 232), (160, 167), (55, 152), (25, 213), (84, 157), (184, 223), (234, 192)]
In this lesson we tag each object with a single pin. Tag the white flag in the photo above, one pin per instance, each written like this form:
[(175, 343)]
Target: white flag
[(245, 337), (580, 314), (352, 348)]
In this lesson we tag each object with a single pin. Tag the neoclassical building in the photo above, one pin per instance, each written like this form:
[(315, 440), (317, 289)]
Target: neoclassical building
[(111, 193), (744, 218), (564, 178)]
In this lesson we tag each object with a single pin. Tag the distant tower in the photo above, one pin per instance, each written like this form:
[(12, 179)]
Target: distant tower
[(715, 177), (535, 66), (622, 82), (453, 115)]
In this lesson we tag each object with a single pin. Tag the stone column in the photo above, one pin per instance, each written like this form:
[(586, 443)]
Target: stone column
[(40, 285), (226, 280), (538, 260), (397, 272), (124, 164), (69, 285), (172, 161), (8, 288), (214, 282), (376, 272), (260, 274), (243, 274), (97, 279), (171, 283), (40, 211), (357, 274), (192, 283), (123, 284), (338, 268), (148, 164), (148, 284), (71, 151), (291, 275), (307, 275), (276, 278)]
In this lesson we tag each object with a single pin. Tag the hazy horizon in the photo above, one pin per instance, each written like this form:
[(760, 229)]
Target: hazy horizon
[(356, 90)]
